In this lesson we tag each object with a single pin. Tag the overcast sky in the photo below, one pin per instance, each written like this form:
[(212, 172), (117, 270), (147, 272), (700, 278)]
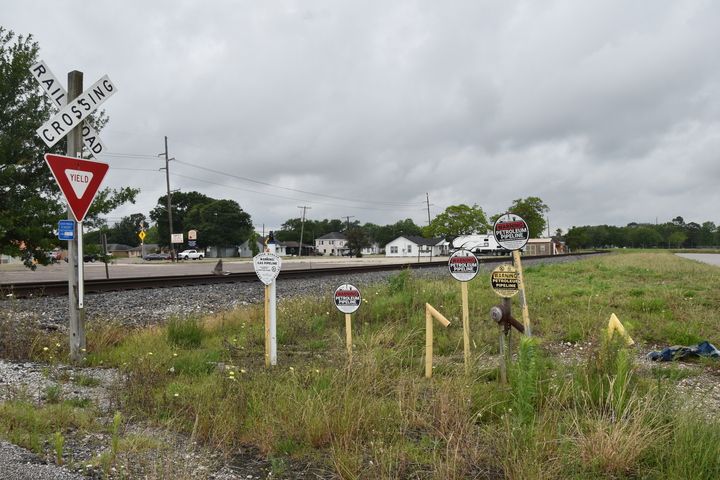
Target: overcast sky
[(607, 110)]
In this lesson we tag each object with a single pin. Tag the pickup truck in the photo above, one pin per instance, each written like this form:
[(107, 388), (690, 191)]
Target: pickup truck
[(190, 255)]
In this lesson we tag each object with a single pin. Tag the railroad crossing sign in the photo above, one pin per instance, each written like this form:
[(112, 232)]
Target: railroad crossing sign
[(511, 231), (58, 96), (78, 179)]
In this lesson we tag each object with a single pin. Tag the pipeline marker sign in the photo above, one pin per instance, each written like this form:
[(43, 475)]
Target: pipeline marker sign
[(267, 267), (504, 280), (78, 179), (463, 265), (511, 232), (347, 298)]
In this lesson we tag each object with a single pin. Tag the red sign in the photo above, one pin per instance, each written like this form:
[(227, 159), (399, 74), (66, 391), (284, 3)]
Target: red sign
[(78, 179)]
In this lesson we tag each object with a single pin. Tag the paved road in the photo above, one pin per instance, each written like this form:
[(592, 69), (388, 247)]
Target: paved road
[(709, 258), (127, 268)]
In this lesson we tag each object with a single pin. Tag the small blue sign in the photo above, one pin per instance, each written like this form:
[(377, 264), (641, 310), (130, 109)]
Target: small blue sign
[(192, 243), (66, 229)]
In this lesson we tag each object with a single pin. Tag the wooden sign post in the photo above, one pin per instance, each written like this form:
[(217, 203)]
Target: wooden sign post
[(347, 299), (464, 266), (431, 313), (513, 233)]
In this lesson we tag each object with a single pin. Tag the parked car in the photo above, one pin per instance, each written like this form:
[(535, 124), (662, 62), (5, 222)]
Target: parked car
[(55, 256), (190, 255), (157, 256)]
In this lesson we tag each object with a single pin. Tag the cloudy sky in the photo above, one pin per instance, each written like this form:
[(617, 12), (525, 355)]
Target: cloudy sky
[(607, 110)]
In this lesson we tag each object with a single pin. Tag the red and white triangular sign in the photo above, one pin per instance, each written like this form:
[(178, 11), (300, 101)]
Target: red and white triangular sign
[(78, 179)]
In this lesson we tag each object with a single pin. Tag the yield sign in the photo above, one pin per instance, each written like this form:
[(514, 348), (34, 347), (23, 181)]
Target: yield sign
[(78, 179)]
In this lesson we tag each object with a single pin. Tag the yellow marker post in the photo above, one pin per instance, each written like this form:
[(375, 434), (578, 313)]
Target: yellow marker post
[(348, 335), (522, 297), (466, 324), (430, 312), (614, 325)]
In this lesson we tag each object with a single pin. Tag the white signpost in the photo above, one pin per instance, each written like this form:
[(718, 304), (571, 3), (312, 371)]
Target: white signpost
[(267, 267)]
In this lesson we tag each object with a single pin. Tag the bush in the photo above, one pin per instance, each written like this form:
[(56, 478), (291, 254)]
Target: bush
[(185, 333)]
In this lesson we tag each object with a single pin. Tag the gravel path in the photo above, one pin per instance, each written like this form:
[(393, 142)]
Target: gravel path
[(146, 307)]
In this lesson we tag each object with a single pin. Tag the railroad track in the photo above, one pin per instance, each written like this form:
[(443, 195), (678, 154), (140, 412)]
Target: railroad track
[(60, 287)]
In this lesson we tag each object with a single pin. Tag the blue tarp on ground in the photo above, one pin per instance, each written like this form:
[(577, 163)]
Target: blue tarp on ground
[(678, 352)]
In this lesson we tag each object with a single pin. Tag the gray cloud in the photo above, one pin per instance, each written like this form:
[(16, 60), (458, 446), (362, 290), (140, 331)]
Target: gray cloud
[(608, 111)]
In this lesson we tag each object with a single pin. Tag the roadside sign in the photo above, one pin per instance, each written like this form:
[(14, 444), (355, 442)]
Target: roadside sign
[(347, 298), (176, 238), (58, 96), (142, 235), (192, 243), (463, 265), (76, 111), (192, 234), (66, 230), (511, 232), (267, 267), (78, 179), (504, 281)]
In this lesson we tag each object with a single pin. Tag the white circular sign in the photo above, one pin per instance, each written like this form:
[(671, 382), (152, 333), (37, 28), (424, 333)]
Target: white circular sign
[(267, 267), (463, 265), (347, 298), (511, 232)]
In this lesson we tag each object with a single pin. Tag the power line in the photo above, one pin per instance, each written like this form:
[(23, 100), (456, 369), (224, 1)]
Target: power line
[(259, 182)]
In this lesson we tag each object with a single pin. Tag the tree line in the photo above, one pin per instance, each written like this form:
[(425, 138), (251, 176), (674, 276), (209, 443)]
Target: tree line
[(672, 234)]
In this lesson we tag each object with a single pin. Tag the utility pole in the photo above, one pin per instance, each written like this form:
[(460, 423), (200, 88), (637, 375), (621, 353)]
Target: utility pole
[(77, 312), (302, 226), (169, 201), (427, 199), (347, 221)]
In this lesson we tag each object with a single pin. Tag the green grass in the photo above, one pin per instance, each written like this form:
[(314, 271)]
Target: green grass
[(377, 417)]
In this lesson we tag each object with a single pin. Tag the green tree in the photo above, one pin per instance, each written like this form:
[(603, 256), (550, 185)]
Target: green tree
[(253, 242), (30, 201), (220, 223), (388, 233), (357, 239), (676, 239), (182, 202), (458, 220), (532, 210), (126, 230)]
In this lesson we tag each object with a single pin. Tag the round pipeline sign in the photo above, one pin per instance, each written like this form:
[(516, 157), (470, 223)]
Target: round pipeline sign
[(347, 298), (463, 265), (511, 232), (504, 280)]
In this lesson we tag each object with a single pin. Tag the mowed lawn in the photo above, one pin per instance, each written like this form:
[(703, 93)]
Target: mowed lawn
[(597, 415)]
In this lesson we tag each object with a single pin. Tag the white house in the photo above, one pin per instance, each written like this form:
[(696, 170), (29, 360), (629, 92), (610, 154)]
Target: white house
[(245, 251), (333, 243), (373, 249), (412, 246)]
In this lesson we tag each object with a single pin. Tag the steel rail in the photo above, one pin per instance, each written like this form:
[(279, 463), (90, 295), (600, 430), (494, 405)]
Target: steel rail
[(59, 287)]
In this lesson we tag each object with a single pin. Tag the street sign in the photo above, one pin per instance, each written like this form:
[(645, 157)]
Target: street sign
[(142, 235), (267, 267), (66, 230), (504, 281), (54, 89), (192, 234), (176, 238), (76, 111), (347, 298), (511, 232), (463, 265), (78, 179), (192, 243)]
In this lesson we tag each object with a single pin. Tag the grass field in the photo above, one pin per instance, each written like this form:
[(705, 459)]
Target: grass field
[(596, 415)]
